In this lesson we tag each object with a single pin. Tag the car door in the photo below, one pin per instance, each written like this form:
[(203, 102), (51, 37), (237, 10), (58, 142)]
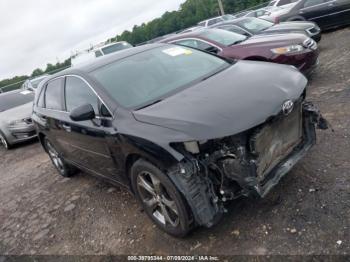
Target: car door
[(86, 142), (341, 14), (51, 112), (319, 11)]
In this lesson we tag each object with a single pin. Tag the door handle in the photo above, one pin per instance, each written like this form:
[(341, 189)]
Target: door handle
[(67, 127)]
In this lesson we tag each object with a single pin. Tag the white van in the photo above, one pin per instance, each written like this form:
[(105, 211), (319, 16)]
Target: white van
[(99, 51)]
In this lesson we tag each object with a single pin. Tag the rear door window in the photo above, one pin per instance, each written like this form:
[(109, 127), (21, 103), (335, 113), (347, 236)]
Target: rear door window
[(215, 21), (41, 100), (310, 3), (53, 94)]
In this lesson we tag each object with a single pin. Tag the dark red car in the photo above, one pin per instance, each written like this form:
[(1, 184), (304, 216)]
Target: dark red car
[(292, 49)]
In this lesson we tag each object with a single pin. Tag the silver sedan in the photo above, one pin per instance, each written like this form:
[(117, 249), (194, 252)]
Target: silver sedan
[(15, 117)]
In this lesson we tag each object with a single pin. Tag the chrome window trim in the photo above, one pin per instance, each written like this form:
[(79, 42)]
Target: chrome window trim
[(87, 83), (346, 10), (197, 39), (312, 6)]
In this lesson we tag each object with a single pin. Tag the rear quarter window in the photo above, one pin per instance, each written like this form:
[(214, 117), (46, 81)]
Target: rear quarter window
[(53, 94)]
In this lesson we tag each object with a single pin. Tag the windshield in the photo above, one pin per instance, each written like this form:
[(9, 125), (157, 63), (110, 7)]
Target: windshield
[(223, 37), (116, 47), (228, 17), (146, 77), (15, 99), (254, 25)]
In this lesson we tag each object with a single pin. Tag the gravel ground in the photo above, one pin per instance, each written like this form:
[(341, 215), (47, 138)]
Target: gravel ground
[(307, 213)]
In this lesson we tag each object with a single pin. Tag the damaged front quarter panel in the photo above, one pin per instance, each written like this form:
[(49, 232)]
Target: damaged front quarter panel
[(228, 168)]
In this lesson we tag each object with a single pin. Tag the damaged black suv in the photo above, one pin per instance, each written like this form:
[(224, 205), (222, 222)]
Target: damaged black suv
[(184, 130)]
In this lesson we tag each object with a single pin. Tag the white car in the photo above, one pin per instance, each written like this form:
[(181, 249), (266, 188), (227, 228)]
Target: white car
[(99, 51), (215, 20), (278, 3)]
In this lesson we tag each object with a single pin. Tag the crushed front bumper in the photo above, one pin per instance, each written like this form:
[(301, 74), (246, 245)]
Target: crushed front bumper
[(231, 172), (253, 186)]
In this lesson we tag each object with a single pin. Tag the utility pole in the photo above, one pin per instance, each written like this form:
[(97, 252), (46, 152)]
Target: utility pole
[(221, 7)]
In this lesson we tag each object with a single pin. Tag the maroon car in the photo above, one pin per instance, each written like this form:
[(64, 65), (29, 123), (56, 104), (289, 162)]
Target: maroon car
[(292, 49)]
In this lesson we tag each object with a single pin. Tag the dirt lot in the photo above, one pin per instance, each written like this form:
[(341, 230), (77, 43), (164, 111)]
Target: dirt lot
[(307, 213)]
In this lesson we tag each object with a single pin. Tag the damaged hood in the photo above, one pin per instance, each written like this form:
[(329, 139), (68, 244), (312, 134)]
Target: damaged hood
[(237, 99)]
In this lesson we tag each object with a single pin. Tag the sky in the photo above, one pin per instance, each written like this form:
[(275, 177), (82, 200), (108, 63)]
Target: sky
[(36, 32)]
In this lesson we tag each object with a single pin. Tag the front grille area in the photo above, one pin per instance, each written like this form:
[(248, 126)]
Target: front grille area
[(28, 121), (23, 135), (276, 140), (310, 43), (313, 30)]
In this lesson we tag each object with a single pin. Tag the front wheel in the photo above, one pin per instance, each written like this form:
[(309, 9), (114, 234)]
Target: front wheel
[(4, 142), (63, 168), (160, 199)]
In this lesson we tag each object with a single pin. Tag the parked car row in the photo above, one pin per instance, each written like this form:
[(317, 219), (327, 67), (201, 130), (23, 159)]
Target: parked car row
[(326, 13), (292, 49)]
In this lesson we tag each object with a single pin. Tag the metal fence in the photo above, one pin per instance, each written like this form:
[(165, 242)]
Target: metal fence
[(18, 85)]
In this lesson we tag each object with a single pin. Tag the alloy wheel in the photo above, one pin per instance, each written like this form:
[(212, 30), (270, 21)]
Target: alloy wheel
[(3, 142), (56, 159), (156, 199)]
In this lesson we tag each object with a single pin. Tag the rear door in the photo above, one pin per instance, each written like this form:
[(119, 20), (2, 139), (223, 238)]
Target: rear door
[(319, 11), (342, 12), (50, 112), (86, 142)]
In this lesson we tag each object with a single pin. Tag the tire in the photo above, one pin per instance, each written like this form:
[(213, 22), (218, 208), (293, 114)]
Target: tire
[(4, 142), (162, 201), (62, 167)]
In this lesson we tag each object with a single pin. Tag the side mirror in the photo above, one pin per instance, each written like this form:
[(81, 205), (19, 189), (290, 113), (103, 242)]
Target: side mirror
[(82, 113), (212, 49)]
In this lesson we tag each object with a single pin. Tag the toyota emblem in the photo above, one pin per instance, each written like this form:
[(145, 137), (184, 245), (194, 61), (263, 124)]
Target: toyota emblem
[(287, 107)]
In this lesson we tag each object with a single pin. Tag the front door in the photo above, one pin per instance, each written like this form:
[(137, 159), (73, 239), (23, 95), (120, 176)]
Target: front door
[(86, 142)]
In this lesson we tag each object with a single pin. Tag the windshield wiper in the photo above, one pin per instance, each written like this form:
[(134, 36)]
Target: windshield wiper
[(239, 41), (150, 104)]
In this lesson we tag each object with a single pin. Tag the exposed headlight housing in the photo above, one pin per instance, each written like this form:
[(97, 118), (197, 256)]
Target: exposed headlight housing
[(287, 49), (192, 147)]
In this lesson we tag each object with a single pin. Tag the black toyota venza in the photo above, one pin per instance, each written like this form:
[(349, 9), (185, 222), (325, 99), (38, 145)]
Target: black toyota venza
[(184, 130)]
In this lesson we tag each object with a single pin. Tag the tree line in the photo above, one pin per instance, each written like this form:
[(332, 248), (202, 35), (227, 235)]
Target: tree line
[(189, 14)]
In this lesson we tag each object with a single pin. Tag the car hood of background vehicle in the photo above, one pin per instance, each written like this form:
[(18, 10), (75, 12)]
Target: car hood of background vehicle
[(296, 25), (273, 40), (17, 113), (237, 99)]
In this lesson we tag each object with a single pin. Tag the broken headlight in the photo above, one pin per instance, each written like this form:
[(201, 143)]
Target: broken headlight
[(193, 147)]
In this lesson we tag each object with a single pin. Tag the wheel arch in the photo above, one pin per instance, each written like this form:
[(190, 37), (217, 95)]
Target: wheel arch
[(296, 18), (41, 137)]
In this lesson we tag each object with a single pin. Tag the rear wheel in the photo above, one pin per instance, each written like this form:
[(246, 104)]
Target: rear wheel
[(4, 142), (160, 199), (63, 168)]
